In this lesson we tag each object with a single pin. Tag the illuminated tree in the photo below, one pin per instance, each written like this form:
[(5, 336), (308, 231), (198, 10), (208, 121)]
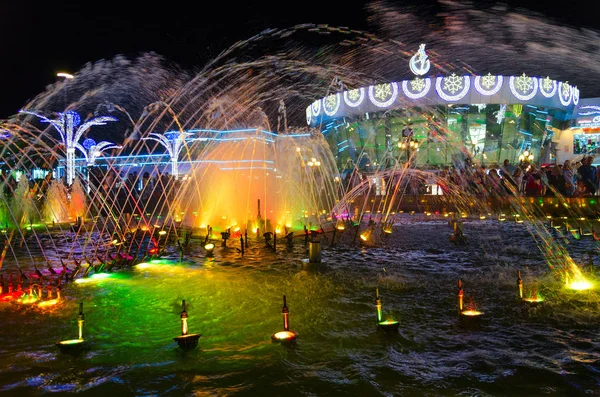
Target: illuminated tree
[(70, 130)]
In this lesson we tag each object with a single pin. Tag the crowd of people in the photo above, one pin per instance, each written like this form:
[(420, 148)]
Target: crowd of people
[(569, 179)]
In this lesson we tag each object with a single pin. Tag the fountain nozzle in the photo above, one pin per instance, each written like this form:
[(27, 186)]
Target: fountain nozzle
[(186, 340)]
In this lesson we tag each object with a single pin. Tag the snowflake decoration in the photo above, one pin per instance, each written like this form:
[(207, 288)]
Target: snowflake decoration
[(383, 95), (524, 83), (488, 85), (354, 94), (383, 91), (308, 115), (419, 88), (354, 97), (453, 83), (523, 87), (575, 95), (547, 87), (564, 93), (547, 84), (501, 113), (488, 81), (566, 90), (417, 84), (331, 104)]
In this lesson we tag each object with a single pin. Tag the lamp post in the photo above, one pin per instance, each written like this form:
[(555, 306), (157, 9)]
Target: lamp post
[(173, 141), (526, 157), (409, 145), (70, 130)]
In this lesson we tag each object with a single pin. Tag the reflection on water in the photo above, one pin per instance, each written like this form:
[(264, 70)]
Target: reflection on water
[(235, 302)]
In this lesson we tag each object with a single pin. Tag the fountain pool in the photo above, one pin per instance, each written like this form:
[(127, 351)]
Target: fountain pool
[(235, 303)]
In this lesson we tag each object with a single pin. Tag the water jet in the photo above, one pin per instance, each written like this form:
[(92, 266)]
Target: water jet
[(389, 325)]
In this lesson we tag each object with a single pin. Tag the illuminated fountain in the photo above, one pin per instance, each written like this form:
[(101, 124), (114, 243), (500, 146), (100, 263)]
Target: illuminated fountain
[(240, 168), (229, 172)]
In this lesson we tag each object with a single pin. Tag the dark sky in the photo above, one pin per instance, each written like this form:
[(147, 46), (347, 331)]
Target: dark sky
[(39, 40)]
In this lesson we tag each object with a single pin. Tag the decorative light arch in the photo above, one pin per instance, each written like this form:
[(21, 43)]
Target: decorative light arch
[(523, 97), (349, 95), (575, 96), (316, 108), (331, 110), (562, 87), (466, 83), (417, 95), (546, 91), (489, 82), (393, 94)]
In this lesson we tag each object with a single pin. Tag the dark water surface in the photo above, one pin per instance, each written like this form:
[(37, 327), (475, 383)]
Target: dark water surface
[(235, 302)]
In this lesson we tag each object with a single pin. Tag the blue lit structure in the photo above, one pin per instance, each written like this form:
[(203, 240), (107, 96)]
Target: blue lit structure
[(162, 162)]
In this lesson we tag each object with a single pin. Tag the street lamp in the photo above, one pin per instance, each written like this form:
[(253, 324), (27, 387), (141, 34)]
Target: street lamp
[(409, 145), (313, 162), (70, 132), (526, 157)]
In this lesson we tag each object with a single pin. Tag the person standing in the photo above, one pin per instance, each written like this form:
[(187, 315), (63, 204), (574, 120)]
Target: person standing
[(588, 174), (508, 168), (569, 175)]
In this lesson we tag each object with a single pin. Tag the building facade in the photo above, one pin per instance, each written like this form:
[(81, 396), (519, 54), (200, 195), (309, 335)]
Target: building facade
[(445, 120)]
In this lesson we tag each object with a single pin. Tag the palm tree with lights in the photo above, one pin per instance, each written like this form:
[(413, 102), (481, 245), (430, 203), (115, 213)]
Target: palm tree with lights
[(70, 130), (173, 141)]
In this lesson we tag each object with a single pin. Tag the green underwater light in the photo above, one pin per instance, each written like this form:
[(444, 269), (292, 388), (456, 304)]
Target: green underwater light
[(94, 277)]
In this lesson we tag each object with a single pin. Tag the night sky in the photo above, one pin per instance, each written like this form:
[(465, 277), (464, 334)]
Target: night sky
[(39, 40)]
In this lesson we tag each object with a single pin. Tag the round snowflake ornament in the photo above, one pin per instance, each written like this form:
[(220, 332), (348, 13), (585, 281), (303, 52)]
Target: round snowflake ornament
[(383, 95), (331, 104), (488, 84), (354, 98), (453, 87), (419, 87), (523, 87)]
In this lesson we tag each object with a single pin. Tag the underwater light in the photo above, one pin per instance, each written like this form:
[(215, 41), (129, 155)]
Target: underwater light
[(580, 285), (286, 335), (186, 341), (162, 232), (143, 265), (75, 346), (388, 325), (209, 248), (93, 277), (534, 299), (51, 302), (471, 313)]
